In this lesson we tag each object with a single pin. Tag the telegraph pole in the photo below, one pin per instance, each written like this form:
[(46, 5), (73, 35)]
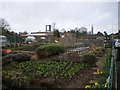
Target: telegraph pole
[(92, 30)]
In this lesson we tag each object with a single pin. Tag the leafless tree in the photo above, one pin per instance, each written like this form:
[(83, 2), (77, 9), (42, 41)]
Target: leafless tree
[(4, 25)]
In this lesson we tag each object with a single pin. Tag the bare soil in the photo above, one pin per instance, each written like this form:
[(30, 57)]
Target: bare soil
[(78, 81)]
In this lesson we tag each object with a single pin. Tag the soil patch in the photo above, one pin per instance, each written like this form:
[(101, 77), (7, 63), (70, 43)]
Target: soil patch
[(78, 81)]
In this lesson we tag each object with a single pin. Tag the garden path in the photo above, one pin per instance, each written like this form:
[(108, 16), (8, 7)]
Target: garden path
[(99, 65), (87, 76)]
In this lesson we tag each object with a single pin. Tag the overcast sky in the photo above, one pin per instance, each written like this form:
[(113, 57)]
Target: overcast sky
[(33, 16)]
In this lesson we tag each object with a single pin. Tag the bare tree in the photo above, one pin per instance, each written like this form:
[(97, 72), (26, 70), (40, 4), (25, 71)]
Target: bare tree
[(4, 26)]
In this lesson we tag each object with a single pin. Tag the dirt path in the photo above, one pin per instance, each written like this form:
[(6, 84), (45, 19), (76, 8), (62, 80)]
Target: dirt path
[(100, 62), (81, 79), (78, 81)]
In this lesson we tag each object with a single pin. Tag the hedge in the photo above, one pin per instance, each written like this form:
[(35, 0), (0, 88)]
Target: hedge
[(49, 50)]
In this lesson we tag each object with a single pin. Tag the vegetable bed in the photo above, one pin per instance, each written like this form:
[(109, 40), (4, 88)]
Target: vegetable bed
[(46, 69)]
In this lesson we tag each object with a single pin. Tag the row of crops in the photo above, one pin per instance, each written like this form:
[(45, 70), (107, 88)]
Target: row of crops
[(44, 69)]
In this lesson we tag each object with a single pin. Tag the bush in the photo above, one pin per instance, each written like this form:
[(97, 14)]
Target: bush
[(49, 50), (89, 58), (20, 57), (14, 79), (7, 59)]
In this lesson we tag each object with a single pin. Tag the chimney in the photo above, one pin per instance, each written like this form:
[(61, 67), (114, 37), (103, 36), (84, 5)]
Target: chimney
[(48, 27)]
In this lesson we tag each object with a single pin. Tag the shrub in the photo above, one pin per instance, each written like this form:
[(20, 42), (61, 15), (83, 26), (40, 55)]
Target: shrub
[(7, 59), (89, 58), (49, 50), (16, 57), (20, 57), (14, 79)]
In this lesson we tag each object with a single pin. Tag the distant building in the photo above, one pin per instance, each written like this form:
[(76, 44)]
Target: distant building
[(41, 35), (30, 39)]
